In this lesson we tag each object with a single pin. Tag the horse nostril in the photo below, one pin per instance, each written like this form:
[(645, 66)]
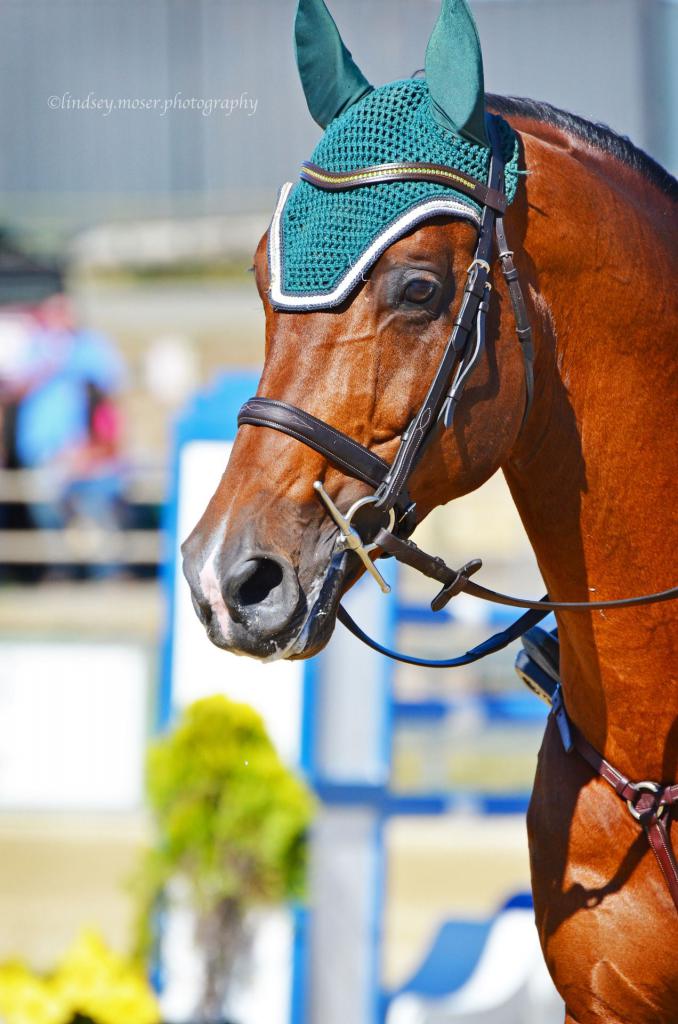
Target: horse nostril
[(266, 575), (261, 591)]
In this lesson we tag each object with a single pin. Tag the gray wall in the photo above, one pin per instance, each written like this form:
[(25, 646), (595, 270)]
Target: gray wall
[(611, 60)]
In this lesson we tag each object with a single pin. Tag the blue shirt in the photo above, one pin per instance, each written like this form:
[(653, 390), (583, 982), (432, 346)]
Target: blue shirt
[(54, 415)]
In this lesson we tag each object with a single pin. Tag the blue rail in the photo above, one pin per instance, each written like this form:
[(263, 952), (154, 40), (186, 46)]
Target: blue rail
[(390, 803), (511, 708)]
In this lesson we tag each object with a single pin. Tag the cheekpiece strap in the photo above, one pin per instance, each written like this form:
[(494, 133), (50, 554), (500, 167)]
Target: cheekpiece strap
[(441, 174), (422, 428)]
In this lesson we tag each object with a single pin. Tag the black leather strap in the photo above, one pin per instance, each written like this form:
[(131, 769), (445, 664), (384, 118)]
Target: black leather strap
[(490, 646), (469, 361), (454, 581), (476, 590), (523, 327), (421, 429), (339, 449)]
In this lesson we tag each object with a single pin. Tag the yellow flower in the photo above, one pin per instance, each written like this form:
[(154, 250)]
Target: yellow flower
[(98, 983), (26, 999), (91, 981)]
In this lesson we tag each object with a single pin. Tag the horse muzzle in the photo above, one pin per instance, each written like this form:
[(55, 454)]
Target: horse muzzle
[(251, 601)]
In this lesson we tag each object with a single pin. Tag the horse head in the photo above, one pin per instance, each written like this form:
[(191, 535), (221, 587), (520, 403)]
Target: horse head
[(362, 281)]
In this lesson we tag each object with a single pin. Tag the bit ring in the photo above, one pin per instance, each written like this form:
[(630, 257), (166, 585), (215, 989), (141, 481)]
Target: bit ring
[(370, 499), (646, 787), (349, 539)]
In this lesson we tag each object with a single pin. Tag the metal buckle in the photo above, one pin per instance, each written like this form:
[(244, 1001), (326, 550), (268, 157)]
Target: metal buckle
[(646, 787), (478, 263), (350, 539)]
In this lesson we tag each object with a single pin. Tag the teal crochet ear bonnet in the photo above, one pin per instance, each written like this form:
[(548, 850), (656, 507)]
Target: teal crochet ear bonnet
[(323, 240)]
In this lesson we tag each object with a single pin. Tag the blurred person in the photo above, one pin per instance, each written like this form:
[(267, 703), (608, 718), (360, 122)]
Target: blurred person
[(15, 341), (68, 424), (16, 329), (92, 500)]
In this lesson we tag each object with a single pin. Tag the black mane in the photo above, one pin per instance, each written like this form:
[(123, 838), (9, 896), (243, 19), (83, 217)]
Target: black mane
[(598, 135)]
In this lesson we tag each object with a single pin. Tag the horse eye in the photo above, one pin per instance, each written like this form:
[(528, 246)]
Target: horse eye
[(419, 290)]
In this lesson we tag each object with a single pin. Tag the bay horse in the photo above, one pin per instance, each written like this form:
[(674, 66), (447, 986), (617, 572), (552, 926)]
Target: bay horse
[(590, 469)]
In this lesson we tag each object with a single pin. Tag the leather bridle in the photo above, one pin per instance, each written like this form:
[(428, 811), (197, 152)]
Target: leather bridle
[(462, 353), (647, 801), (463, 350)]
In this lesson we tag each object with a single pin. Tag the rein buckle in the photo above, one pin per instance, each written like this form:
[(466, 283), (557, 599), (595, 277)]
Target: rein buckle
[(451, 590)]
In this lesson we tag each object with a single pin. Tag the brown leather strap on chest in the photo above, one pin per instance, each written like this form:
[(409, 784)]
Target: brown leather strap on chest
[(651, 804)]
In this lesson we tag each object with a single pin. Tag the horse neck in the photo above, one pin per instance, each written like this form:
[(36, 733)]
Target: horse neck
[(590, 476)]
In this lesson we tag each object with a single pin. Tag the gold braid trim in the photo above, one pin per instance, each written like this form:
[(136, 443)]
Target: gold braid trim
[(347, 177)]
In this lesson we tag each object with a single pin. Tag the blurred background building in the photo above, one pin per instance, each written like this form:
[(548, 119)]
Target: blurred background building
[(68, 167), (143, 147)]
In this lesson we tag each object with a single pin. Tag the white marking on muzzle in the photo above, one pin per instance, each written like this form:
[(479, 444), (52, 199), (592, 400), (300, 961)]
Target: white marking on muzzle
[(212, 593)]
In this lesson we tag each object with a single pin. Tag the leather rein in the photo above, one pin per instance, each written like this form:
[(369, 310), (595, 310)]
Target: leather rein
[(648, 802)]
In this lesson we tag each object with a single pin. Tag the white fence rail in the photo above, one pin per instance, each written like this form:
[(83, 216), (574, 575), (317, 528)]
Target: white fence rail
[(79, 543)]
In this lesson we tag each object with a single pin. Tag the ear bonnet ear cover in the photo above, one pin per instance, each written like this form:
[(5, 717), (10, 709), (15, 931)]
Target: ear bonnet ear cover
[(321, 243), (454, 72), (330, 78)]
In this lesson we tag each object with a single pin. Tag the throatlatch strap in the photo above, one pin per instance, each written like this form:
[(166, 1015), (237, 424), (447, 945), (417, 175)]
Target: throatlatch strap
[(523, 326)]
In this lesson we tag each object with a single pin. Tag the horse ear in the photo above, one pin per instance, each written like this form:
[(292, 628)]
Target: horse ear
[(454, 72), (331, 80)]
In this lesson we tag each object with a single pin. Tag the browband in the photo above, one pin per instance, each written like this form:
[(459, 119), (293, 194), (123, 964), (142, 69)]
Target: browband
[(377, 174)]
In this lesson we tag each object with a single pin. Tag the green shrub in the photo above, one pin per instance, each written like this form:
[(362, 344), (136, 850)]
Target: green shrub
[(231, 823)]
